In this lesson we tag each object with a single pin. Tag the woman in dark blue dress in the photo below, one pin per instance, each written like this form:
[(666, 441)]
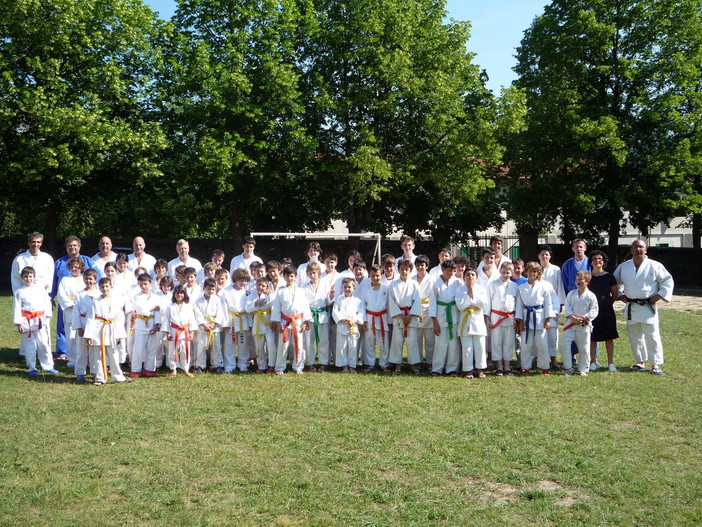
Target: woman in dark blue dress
[(604, 285)]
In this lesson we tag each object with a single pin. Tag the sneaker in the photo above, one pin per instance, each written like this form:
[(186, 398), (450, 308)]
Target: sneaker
[(147, 373), (526, 372), (134, 374), (198, 370), (593, 366), (80, 379), (51, 371), (569, 371), (612, 367), (32, 373), (219, 370)]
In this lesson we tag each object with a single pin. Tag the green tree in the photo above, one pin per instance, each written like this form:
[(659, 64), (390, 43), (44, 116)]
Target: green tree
[(613, 109), (240, 156), (400, 115), (76, 146)]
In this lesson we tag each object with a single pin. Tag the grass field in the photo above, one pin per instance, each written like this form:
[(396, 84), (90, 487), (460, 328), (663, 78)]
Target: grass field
[(610, 449)]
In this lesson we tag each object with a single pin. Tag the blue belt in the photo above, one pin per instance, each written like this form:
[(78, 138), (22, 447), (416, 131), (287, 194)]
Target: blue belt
[(531, 314)]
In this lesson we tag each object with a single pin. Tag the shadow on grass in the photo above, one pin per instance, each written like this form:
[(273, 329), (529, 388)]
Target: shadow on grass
[(13, 365)]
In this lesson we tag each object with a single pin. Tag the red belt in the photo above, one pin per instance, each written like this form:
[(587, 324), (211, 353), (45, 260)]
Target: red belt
[(568, 326), (292, 321), (179, 330), (405, 311), (29, 315), (504, 316), (378, 314)]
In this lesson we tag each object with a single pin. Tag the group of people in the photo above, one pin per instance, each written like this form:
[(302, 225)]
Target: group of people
[(136, 311)]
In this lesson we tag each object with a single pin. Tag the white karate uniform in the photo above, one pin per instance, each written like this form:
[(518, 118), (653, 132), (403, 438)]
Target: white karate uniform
[(147, 261), (378, 333), (425, 329), (291, 310), (81, 305), (651, 279), (534, 307), (208, 311), (236, 326), (471, 326), (43, 265), (69, 287), (442, 305), (99, 263), (579, 305), (190, 262), (503, 299), (144, 348), (239, 262), (178, 321), (404, 300), (349, 314), (32, 311), (105, 326), (261, 328), (318, 334)]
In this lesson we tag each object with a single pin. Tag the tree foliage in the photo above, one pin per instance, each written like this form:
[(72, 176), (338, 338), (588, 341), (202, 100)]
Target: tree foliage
[(612, 131), (74, 136)]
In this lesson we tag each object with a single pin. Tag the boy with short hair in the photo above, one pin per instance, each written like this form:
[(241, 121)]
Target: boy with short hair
[(552, 275), (319, 298), (407, 244), (435, 273), (472, 303), (487, 271), (517, 273), (69, 287), (32, 311), (405, 308), (191, 287), (290, 316), (259, 305), (236, 323), (389, 274), (81, 306), (209, 315), (580, 310), (502, 294), (146, 321), (532, 314), (104, 329), (444, 316), (375, 328), (461, 264), (313, 252), (348, 313)]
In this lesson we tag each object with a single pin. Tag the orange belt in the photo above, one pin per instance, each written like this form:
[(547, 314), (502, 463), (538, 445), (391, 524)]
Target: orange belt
[(179, 330), (504, 316), (405, 312), (103, 357), (30, 315), (379, 315), (292, 321)]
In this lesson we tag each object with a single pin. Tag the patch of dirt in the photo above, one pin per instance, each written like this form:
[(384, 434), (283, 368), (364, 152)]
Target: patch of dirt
[(504, 493)]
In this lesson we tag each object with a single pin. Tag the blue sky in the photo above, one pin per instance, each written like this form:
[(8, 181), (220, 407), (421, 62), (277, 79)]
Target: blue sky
[(497, 27)]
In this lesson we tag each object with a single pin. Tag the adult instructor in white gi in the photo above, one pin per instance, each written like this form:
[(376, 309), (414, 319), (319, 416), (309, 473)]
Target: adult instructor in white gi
[(642, 283)]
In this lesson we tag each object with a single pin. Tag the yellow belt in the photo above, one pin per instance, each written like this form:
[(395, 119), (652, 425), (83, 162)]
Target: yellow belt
[(470, 311), (240, 315), (259, 316)]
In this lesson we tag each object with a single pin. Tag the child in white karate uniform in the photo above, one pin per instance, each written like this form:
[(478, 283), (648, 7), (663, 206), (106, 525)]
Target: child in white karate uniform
[(146, 321), (405, 308), (532, 314), (178, 324), (319, 299), (236, 324), (81, 306), (581, 309), (444, 315), (69, 287), (209, 314), (291, 317), (376, 330), (425, 328), (348, 314), (32, 311), (472, 303), (104, 330), (503, 298), (259, 305)]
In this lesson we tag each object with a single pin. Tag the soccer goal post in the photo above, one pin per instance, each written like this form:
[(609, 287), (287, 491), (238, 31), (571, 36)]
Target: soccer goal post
[(377, 252)]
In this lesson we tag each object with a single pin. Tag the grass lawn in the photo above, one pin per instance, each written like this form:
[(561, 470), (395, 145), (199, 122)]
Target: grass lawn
[(610, 449)]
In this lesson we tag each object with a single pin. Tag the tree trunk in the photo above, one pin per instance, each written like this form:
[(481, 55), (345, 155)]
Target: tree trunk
[(235, 221), (613, 245), (528, 243)]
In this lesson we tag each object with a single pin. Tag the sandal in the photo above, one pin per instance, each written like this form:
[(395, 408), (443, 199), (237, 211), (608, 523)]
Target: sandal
[(657, 371), (499, 373), (481, 375), (468, 375), (637, 367)]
